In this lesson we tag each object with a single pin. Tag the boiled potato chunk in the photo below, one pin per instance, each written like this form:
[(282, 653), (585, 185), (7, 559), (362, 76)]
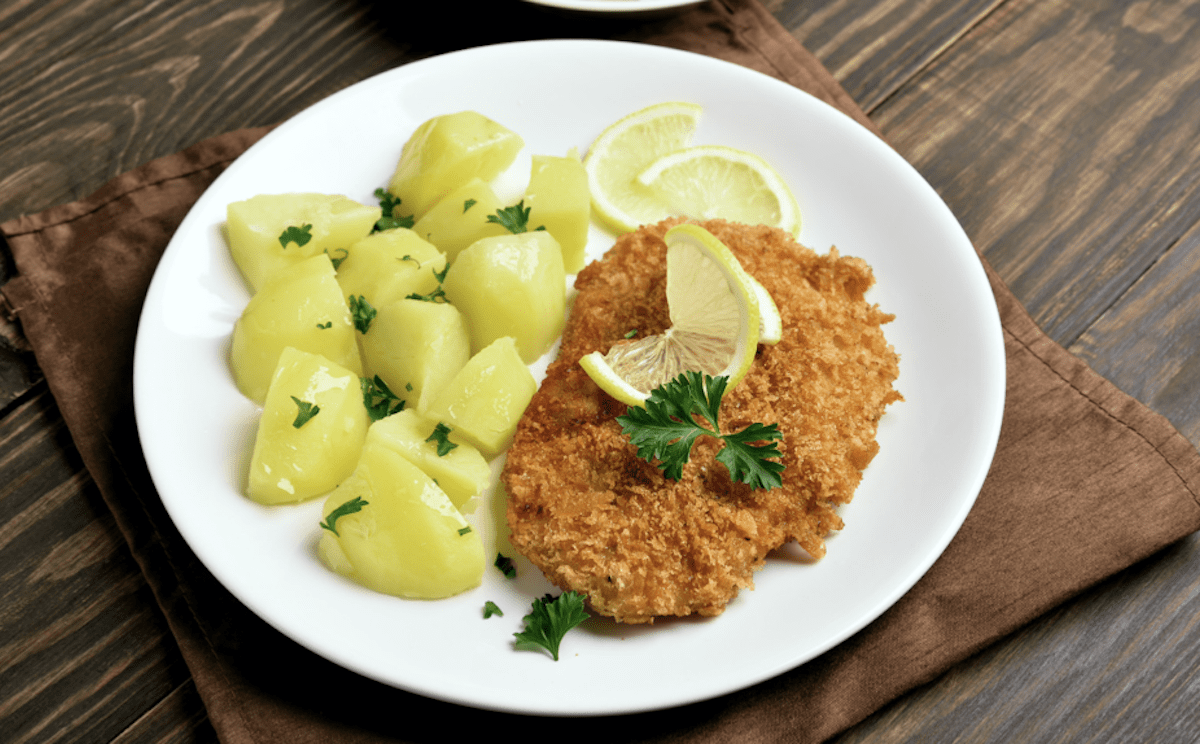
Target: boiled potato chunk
[(511, 285), (301, 307), (558, 197), (460, 218), (293, 463), (255, 225), (416, 347), (390, 265), (484, 401), (446, 152), (408, 540), (462, 473)]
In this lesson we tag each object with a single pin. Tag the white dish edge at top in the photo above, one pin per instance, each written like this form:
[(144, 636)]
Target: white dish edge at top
[(855, 193)]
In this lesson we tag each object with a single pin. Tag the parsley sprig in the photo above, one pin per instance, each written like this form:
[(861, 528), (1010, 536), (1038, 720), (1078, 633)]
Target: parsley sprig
[(362, 312), (549, 620), (350, 507), (389, 219), (298, 234), (437, 295), (305, 411), (515, 219), (378, 398), (441, 438), (666, 429)]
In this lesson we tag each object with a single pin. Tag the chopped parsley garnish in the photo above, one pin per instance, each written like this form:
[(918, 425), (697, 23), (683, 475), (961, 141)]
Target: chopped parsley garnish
[(441, 436), (666, 428), (298, 235), (306, 412), (631, 334), (506, 565), (389, 219), (337, 262), (437, 295), (379, 399), (326, 325), (549, 621), (407, 257), (491, 608), (464, 530), (362, 312), (515, 219), (353, 505), (468, 204)]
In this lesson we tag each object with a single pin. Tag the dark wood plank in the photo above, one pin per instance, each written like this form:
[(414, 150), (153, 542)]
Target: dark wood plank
[(1066, 138), (873, 48), (84, 651), (1158, 319), (1089, 671), (179, 718)]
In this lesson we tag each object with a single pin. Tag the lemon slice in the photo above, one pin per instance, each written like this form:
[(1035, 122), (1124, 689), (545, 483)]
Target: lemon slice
[(770, 325), (713, 181), (624, 150), (714, 314)]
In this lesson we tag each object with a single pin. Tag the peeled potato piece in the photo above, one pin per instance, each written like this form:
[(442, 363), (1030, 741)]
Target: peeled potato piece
[(296, 459), (416, 347), (446, 152), (254, 227), (485, 400), (407, 540), (302, 307), (462, 472), (511, 285), (558, 199)]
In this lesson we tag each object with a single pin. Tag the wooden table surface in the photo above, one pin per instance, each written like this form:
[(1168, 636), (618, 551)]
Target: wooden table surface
[(1064, 134)]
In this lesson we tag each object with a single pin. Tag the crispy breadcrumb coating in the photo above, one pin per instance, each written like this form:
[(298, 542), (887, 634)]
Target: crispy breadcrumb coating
[(597, 519)]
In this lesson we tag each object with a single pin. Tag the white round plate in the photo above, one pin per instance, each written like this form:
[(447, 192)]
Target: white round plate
[(855, 192)]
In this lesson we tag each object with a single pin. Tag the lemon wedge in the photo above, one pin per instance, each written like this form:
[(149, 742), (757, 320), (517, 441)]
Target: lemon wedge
[(624, 150), (713, 181), (715, 318)]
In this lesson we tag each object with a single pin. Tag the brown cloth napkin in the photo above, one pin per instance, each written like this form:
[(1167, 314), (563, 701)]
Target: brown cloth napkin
[(1085, 481)]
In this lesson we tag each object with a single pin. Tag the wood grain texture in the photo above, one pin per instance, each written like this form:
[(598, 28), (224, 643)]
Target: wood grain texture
[(874, 48), (1066, 138), (84, 650)]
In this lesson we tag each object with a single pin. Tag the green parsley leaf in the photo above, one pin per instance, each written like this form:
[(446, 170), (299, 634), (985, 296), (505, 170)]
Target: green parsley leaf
[(337, 262), (306, 412), (491, 608), (326, 325), (379, 399), (353, 505), (666, 429), (464, 530), (468, 204), (506, 566), (298, 235), (549, 620), (437, 295), (389, 219), (362, 312), (631, 334), (441, 435), (515, 219), (407, 257)]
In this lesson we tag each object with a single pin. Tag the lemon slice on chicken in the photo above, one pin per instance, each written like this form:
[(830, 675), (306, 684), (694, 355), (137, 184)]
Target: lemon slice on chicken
[(714, 311)]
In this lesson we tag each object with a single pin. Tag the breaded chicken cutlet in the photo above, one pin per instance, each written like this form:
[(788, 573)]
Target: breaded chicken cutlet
[(598, 520)]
